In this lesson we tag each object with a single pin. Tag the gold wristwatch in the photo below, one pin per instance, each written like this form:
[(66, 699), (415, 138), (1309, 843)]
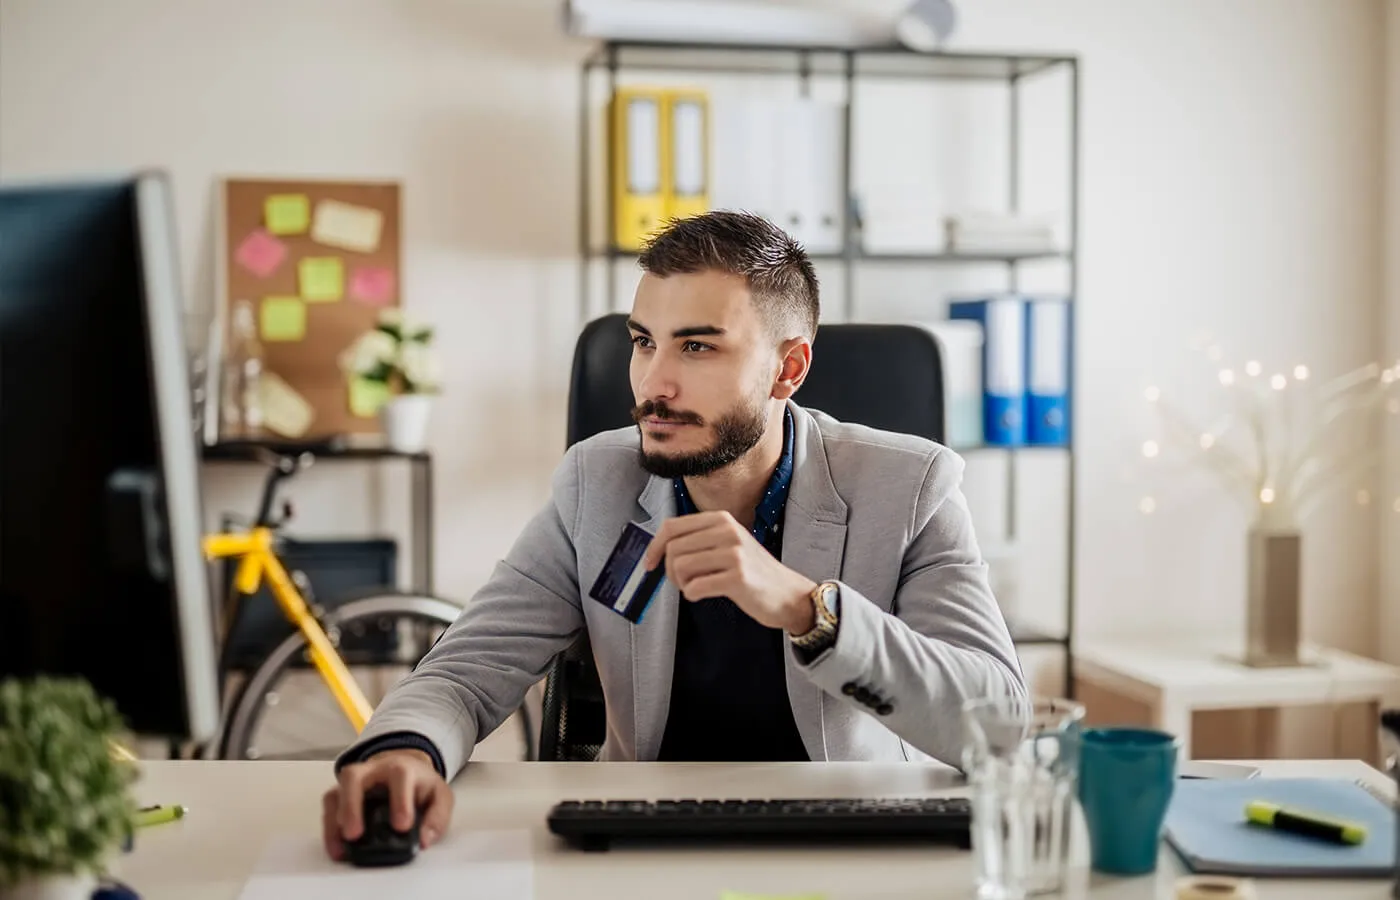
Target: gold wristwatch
[(826, 600)]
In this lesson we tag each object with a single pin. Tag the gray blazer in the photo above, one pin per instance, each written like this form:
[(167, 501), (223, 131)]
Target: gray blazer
[(881, 513)]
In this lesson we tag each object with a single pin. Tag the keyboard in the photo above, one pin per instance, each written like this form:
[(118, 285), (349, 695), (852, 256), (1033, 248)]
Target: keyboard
[(594, 825)]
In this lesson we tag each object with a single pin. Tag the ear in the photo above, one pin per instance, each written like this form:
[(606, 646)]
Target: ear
[(792, 371)]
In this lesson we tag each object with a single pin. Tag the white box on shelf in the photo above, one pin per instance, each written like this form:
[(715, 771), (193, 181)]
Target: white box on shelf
[(960, 348)]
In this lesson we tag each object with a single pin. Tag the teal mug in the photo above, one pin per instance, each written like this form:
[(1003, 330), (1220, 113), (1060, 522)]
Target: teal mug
[(1126, 780)]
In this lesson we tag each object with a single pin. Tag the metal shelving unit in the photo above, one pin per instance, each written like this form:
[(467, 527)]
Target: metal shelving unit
[(610, 59)]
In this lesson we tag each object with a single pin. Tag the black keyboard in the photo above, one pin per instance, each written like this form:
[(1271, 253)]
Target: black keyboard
[(595, 824)]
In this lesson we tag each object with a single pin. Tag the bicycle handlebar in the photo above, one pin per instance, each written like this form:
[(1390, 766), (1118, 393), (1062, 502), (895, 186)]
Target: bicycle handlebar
[(281, 466), (283, 459)]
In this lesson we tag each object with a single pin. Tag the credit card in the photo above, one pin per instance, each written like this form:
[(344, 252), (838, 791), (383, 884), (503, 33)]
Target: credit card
[(624, 585)]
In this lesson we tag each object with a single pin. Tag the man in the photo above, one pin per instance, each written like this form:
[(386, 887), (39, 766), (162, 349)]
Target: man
[(824, 595)]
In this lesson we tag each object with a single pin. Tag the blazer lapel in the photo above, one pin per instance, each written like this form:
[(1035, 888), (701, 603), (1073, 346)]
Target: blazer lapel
[(814, 544), (654, 638)]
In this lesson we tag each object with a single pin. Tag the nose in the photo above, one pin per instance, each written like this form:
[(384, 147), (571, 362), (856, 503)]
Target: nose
[(656, 379)]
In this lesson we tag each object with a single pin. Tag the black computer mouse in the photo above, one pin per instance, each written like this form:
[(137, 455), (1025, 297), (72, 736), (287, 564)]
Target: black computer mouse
[(379, 844)]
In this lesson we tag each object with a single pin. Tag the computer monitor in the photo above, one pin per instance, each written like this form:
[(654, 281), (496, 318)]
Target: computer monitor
[(101, 569)]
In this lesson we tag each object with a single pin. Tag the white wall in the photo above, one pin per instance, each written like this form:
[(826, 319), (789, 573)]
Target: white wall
[(1390, 532), (1231, 176), (471, 105)]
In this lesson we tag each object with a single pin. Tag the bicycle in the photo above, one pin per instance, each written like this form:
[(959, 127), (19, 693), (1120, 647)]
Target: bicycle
[(384, 631)]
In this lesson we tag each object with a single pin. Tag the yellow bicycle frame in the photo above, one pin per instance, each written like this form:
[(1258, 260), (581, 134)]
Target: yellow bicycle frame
[(258, 560)]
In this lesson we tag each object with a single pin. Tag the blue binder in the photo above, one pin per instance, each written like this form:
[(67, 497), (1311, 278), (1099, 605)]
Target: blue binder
[(1003, 320), (1049, 348)]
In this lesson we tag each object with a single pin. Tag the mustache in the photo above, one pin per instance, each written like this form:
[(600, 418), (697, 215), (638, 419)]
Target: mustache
[(659, 410)]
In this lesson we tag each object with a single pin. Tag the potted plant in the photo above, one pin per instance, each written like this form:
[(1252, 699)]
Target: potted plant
[(396, 363), (65, 801)]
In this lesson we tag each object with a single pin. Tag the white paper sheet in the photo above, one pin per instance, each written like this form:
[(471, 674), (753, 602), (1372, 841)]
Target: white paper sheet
[(464, 865)]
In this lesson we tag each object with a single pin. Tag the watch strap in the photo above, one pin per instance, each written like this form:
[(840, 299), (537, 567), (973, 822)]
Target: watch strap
[(822, 634)]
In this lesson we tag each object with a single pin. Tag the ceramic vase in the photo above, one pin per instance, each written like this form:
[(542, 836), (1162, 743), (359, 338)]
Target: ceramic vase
[(1273, 613), (404, 419)]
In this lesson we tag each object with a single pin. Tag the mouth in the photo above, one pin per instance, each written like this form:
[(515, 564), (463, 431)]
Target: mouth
[(665, 424)]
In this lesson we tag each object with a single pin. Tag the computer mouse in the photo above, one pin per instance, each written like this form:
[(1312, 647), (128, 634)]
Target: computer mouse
[(379, 844)]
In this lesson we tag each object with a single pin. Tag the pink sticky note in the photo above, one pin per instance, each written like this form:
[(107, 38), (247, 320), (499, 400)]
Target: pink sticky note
[(372, 285), (261, 253)]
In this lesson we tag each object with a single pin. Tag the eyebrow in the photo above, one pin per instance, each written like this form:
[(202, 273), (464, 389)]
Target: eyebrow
[(689, 331)]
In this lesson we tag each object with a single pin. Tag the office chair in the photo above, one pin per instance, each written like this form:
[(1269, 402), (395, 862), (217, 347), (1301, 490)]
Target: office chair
[(885, 376)]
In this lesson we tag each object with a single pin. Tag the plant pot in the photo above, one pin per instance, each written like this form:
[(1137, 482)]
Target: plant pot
[(404, 419), (55, 887)]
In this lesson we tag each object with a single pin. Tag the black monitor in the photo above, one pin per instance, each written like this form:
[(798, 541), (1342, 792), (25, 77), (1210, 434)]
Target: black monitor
[(101, 570)]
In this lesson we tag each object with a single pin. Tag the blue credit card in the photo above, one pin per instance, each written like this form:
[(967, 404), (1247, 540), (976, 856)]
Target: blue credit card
[(624, 585)]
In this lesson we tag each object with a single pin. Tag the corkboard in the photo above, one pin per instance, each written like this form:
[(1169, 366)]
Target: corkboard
[(256, 270)]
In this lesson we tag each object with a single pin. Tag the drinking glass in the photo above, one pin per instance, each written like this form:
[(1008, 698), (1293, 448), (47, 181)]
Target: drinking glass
[(1021, 756)]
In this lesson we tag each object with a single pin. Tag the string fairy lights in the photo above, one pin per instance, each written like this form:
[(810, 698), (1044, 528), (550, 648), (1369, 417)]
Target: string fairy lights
[(1276, 445)]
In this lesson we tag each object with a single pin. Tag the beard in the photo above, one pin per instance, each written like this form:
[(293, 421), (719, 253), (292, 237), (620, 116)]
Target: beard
[(736, 432)]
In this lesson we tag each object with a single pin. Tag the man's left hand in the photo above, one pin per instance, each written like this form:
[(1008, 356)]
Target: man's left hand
[(709, 554)]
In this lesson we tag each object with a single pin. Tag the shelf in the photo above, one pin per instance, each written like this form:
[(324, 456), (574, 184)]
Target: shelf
[(249, 451), (1027, 636), (1017, 448), (817, 71), (958, 258), (908, 258), (780, 59)]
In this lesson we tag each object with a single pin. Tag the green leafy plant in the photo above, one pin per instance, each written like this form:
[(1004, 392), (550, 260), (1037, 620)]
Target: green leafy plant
[(65, 798)]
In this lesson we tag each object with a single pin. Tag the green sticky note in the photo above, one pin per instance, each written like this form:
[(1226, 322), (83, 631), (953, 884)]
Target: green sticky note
[(367, 396), (322, 278), (283, 319), (287, 214), (744, 895)]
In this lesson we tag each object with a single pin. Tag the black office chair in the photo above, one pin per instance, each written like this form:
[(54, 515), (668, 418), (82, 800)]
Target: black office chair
[(884, 376)]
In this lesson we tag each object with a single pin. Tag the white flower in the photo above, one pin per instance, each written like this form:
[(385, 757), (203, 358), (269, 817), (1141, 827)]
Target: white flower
[(420, 366), (371, 350)]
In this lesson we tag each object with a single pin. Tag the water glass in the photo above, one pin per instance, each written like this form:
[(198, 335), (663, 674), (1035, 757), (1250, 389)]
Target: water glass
[(1021, 756)]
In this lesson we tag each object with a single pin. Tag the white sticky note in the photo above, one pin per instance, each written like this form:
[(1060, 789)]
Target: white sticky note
[(284, 410), (347, 226)]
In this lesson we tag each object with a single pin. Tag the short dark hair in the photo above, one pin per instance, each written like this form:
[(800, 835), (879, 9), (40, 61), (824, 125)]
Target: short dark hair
[(778, 272)]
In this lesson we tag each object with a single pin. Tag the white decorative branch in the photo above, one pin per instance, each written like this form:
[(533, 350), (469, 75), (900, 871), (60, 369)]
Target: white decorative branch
[(1342, 404), (1219, 459), (1280, 470), (1347, 469)]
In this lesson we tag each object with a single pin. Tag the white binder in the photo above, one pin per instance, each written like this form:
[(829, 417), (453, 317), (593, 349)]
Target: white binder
[(809, 178), (744, 154)]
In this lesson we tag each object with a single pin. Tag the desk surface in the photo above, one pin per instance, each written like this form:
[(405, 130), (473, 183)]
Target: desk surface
[(234, 806)]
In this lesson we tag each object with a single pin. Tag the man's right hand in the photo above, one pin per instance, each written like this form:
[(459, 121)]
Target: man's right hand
[(413, 784)]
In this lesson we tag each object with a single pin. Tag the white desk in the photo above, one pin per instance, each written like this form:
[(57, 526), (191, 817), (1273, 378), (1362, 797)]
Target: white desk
[(1176, 680), (234, 806)]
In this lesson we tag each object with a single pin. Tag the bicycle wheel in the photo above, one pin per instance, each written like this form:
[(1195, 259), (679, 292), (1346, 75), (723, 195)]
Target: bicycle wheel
[(285, 711)]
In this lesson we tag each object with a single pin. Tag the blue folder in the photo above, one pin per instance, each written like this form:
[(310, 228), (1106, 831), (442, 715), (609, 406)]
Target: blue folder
[(1003, 320), (1206, 826), (1049, 345)]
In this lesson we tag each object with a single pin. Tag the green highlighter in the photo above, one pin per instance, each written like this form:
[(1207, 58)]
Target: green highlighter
[(1299, 821)]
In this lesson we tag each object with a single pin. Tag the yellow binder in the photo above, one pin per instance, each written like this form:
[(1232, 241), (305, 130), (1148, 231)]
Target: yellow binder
[(687, 153), (638, 165)]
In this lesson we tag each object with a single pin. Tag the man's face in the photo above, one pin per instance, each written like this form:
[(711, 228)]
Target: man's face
[(703, 369)]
